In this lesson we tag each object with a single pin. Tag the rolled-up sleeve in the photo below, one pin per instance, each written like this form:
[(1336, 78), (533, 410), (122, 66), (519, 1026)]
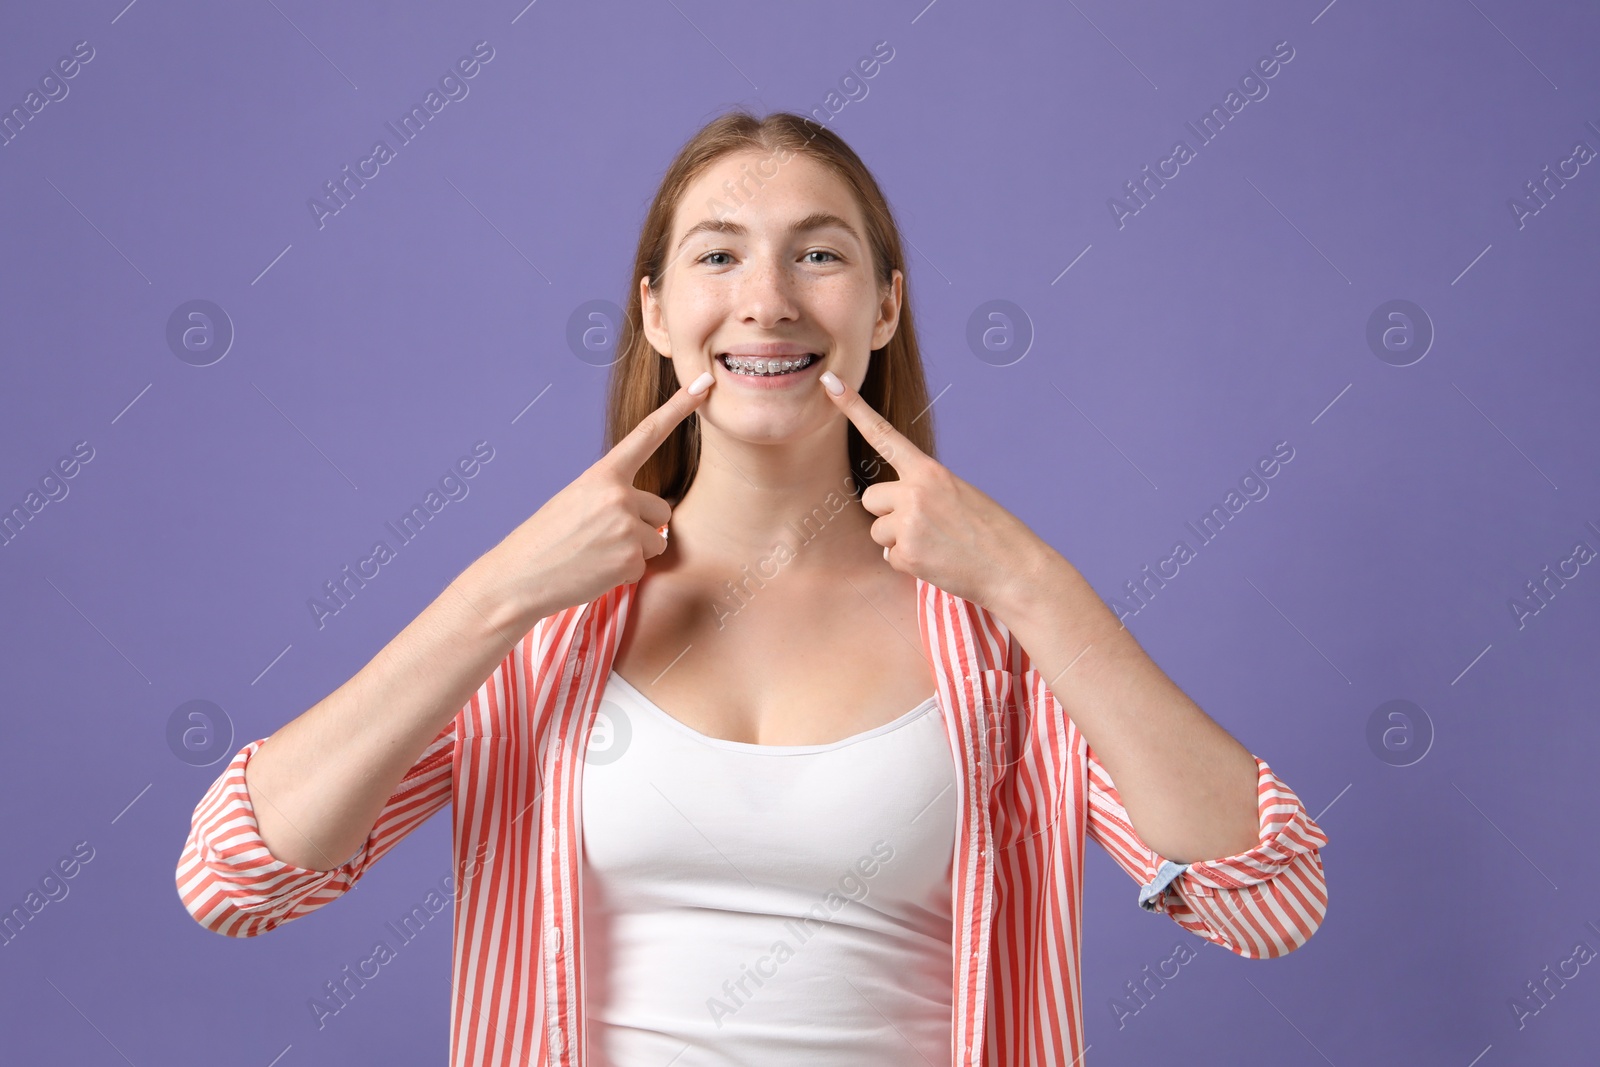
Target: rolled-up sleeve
[(1260, 904), (232, 885)]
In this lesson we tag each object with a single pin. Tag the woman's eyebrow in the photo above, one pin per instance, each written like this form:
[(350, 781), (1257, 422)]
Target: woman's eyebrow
[(817, 220)]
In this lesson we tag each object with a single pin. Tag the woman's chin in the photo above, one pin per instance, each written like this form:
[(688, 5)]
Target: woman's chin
[(761, 427)]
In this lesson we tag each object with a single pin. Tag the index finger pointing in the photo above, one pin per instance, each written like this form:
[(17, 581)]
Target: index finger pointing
[(895, 447), (630, 453)]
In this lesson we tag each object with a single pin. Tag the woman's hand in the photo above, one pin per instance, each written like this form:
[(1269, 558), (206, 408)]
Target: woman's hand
[(934, 525), (593, 535)]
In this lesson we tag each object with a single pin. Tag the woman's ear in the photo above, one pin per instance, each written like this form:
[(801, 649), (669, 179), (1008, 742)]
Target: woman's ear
[(652, 319), (888, 311)]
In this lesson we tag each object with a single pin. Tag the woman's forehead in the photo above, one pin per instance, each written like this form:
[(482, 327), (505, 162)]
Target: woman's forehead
[(751, 192)]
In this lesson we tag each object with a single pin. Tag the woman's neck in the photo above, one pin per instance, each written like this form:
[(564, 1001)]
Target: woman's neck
[(750, 501)]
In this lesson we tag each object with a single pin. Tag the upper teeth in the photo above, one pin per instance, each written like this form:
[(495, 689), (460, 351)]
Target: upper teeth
[(759, 365)]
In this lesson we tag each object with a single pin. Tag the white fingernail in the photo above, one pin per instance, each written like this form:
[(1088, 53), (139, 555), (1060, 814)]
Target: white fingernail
[(831, 383), (700, 384)]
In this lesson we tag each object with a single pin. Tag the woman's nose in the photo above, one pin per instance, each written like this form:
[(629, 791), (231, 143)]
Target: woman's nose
[(765, 293)]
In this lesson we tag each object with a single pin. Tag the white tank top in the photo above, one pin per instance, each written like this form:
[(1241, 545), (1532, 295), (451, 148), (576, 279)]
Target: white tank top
[(781, 905)]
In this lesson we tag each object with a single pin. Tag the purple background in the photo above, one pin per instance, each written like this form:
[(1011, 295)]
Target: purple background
[(1229, 314)]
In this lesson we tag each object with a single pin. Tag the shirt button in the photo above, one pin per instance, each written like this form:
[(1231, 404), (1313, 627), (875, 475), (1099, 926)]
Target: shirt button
[(552, 947)]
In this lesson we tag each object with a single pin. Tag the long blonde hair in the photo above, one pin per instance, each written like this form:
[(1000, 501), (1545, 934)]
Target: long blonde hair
[(642, 379)]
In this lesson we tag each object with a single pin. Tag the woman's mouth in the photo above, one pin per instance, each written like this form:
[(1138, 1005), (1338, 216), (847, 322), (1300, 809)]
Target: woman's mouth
[(767, 366)]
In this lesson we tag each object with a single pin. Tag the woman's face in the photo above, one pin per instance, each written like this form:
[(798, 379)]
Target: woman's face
[(782, 269)]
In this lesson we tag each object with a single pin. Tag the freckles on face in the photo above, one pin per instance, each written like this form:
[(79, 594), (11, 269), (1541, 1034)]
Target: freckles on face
[(765, 252)]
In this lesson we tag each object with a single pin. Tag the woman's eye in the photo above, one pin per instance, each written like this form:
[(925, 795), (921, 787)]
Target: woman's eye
[(707, 258)]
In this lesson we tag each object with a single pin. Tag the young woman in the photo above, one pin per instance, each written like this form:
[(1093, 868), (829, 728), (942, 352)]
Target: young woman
[(825, 800)]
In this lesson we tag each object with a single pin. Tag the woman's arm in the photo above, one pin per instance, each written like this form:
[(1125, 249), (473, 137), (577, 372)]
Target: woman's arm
[(319, 782), (230, 882), (1188, 787), (1260, 903)]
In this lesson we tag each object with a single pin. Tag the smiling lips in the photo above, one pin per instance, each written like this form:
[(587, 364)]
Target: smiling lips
[(765, 366)]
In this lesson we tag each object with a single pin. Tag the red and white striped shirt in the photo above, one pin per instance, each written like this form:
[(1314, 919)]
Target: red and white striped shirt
[(511, 763)]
